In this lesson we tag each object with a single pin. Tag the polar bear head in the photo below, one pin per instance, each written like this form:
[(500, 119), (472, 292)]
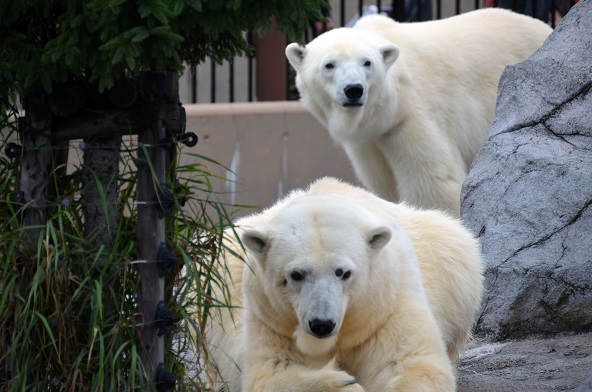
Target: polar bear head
[(341, 72), (313, 260)]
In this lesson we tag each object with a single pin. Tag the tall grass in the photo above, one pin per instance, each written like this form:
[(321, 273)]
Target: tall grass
[(70, 323)]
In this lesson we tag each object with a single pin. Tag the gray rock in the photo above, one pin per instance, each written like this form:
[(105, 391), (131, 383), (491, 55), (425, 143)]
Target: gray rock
[(586, 386), (533, 364), (528, 195)]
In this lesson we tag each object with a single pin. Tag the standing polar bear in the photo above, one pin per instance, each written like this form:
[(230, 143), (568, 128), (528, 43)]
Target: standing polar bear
[(344, 291), (411, 103)]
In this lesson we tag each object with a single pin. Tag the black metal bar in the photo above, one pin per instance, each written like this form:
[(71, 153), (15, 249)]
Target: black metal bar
[(457, 7), (231, 81), (194, 85), (287, 92), (250, 68), (398, 10), (342, 14), (360, 7), (213, 82), (439, 9)]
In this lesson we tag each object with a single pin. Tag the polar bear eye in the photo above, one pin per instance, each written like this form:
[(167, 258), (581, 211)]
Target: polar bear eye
[(346, 275), (296, 276), (338, 272), (329, 66), (367, 64)]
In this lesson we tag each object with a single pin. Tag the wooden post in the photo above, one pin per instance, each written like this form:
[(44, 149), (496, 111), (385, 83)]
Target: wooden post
[(35, 167), (161, 88)]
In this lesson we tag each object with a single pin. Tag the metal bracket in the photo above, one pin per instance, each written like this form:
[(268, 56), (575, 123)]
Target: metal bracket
[(13, 150), (165, 380), (166, 200), (164, 318), (165, 259)]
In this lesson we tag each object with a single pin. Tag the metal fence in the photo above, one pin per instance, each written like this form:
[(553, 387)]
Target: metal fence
[(237, 81)]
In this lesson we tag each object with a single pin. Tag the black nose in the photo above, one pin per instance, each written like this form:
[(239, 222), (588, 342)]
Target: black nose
[(354, 91), (321, 328)]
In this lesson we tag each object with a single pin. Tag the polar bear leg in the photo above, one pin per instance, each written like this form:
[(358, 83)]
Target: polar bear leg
[(272, 363), (429, 171), (423, 375), (372, 169)]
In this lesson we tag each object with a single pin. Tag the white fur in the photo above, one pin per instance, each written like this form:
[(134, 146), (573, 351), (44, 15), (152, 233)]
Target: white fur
[(429, 92), (401, 314)]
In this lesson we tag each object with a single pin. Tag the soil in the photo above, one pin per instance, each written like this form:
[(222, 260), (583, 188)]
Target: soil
[(560, 363)]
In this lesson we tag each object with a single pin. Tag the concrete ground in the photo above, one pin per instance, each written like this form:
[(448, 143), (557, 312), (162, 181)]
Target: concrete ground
[(560, 363)]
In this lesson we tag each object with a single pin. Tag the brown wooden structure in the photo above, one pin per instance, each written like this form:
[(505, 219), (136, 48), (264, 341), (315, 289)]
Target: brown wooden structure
[(149, 109)]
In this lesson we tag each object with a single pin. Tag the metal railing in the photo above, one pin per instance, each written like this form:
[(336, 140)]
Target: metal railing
[(236, 81)]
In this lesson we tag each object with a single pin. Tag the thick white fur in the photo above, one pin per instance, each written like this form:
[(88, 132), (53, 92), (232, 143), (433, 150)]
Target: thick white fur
[(402, 316), (429, 98)]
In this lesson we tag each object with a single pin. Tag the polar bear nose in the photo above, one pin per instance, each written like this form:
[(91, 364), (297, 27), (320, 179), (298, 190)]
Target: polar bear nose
[(353, 91), (321, 328)]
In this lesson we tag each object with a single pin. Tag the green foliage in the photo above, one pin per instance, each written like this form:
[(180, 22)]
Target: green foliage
[(43, 42), (67, 324)]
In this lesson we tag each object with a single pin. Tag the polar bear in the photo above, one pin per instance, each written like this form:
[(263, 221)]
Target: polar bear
[(411, 103), (341, 290)]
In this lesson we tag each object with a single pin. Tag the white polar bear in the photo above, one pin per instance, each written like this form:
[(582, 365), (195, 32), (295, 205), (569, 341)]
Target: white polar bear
[(411, 103), (344, 291)]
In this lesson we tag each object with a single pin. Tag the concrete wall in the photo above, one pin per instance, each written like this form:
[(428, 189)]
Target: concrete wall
[(270, 147)]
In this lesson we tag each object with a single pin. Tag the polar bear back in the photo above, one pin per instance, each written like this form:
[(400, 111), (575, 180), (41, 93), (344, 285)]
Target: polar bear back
[(458, 56)]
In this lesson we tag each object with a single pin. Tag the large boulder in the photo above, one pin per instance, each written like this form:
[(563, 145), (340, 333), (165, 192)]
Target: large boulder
[(586, 386), (528, 195)]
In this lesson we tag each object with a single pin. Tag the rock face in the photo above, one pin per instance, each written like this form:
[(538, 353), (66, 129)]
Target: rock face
[(528, 195), (586, 386)]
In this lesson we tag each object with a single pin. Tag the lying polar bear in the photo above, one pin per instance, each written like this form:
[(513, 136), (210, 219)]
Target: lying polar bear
[(343, 291), (411, 103)]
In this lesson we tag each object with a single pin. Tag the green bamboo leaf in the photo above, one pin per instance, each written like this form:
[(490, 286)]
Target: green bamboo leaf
[(134, 364), (48, 330), (6, 292)]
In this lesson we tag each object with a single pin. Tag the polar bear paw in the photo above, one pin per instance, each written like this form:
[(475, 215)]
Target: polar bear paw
[(333, 380), (339, 381)]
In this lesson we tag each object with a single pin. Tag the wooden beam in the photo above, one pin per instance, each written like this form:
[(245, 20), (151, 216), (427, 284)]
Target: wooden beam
[(116, 122), (99, 124)]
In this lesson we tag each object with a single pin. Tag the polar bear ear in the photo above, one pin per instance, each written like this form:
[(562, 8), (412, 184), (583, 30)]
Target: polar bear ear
[(295, 54), (255, 240), (379, 237), (390, 53)]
